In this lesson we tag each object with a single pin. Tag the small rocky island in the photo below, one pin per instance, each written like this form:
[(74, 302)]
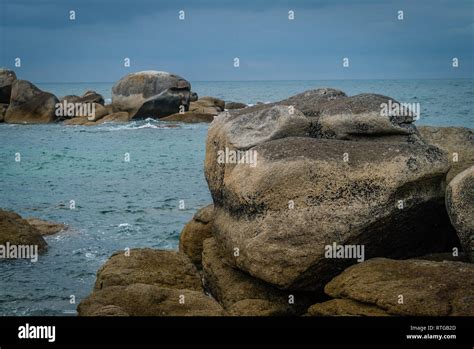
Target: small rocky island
[(343, 210)]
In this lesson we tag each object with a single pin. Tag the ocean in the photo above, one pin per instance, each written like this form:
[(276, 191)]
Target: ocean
[(139, 203)]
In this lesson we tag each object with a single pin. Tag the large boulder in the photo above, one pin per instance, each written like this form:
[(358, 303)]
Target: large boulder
[(230, 286), (387, 198), (30, 105), (148, 300), (195, 232), (16, 231), (7, 77), (151, 94), (169, 269), (460, 206), (457, 142), (406, 287)]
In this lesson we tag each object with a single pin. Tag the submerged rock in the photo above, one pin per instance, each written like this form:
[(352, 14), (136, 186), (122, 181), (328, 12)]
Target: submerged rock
[(30, 105), (460, 206), (46, 227)]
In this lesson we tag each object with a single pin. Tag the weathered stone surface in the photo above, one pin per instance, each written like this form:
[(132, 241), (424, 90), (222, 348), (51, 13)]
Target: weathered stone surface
[(428, 288), (109, 310), (77, 121), (30, 105), (345, 307), (99, 112), (460, 206), (14, 230), (115, 117), (231, 286), (149, 300), (235, 105), (195, 232), (354, 202), (169, 269), (457, 142)]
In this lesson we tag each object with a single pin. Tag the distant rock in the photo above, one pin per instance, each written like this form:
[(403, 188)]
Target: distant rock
[(15, 230), (30, 105), (168, 269), (46, 227), (457, 142), (99, 112), (7, 77), (404, 287), (189, 117), (460, 206), (148, 300), (114, 117), (151, 94), (195, 232), (235, 105), (207, 105)]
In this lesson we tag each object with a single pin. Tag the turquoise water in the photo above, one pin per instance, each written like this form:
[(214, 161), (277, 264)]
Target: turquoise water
[(123, 204)]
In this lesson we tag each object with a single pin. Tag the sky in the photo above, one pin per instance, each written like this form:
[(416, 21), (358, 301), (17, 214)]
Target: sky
[(269, 46)]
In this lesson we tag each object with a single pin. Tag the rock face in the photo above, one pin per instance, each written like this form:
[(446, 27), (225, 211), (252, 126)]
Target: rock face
[(30, 105), (7, 77), (167, 269), (231, 286), (14, 230), (235, 105), (406, 287), (149, 283), (148, 300), (46, 227), (457, 142), (460, 206), (195, 232), (306, 192), (151, 94)]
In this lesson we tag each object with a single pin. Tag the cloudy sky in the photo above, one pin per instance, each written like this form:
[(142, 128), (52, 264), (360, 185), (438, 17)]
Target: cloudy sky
[(269, 46)]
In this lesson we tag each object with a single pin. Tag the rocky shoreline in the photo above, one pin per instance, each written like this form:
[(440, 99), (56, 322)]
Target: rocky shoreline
[(147, 94), (322, 206)]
